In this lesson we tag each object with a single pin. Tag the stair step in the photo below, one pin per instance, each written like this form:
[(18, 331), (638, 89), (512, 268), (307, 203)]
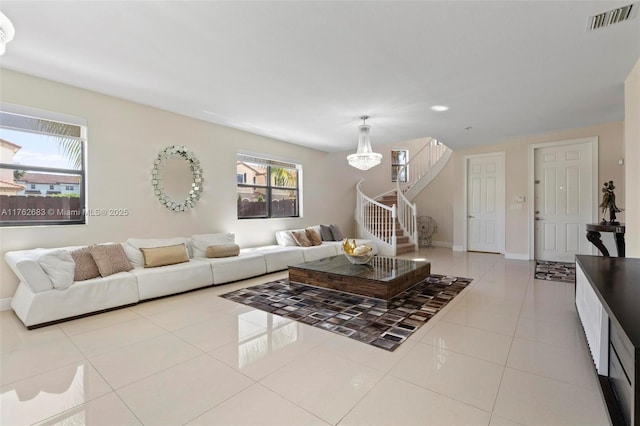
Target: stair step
[(402, 239), (405, 248)]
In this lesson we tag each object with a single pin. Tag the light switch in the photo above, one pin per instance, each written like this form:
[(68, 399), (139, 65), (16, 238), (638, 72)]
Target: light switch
[(520, 199)]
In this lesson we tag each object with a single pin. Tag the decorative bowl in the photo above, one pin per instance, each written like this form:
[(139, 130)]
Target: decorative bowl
[(360, 259)]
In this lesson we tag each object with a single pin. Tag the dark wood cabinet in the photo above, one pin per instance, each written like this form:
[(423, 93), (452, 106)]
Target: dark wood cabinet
[(608, 304)]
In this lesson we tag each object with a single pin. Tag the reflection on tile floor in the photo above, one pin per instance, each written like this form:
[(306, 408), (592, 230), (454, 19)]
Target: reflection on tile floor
[(509, 350), (376, 322)]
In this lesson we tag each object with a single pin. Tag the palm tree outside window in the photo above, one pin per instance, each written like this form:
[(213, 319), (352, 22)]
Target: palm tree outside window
[(274, 191), (39, 153)]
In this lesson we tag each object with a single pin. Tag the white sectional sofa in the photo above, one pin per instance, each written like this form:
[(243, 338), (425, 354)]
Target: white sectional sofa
[(37, 301)]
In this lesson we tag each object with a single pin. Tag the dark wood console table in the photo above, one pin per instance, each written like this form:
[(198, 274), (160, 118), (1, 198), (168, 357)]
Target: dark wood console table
[(593, 235)]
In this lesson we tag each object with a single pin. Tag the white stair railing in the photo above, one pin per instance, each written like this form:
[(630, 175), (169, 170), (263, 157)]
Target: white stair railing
[(407, 215), (376, 221), (424, 166)]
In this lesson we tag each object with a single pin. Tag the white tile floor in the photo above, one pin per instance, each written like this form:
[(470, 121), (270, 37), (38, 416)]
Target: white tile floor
[(508, 351)]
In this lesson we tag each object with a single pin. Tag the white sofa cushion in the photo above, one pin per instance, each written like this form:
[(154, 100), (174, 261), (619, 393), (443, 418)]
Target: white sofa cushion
[(278, 258), (36, 280), (319, 252), (200, 242), (133, 245), (60, 268), (245, 265), (172, 279), (82, 297), (31, 273)]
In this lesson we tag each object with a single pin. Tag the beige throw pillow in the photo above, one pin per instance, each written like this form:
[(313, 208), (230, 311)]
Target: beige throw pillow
[(313, 237), (110, 259), (86, 267), (300, 238), (162, 256), (225, 250)]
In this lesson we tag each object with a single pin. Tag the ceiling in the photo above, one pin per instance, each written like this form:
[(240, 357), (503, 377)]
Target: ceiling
[(304, 71)]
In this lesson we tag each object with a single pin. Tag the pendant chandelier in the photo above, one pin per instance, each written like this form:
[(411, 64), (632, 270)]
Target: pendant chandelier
[(364, 158)]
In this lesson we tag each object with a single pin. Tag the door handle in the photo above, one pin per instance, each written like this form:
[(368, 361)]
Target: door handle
[(471, 217), (537, 218)]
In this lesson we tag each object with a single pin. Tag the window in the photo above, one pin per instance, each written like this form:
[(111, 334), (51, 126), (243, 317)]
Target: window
[(39, 152), (399, 161), (275, 191)]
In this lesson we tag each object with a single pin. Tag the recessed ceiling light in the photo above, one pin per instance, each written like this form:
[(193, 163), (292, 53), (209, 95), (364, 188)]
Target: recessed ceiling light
[(439, 108)]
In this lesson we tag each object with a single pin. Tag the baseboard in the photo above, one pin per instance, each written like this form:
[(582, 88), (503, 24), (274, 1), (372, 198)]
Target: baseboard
[(5, 304), (446, 244), (517, 256), (457, 248)]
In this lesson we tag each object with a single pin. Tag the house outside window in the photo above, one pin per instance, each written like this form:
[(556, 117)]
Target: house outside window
[(399, 168), (40, 154), (274, 191)]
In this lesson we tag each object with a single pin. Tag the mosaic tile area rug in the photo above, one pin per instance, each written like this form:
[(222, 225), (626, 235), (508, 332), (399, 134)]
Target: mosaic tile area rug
[(556, 271), (376, 322)]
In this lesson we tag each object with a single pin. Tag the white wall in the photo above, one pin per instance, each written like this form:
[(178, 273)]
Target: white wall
[(632, 160), (610, 150), (123, 140)]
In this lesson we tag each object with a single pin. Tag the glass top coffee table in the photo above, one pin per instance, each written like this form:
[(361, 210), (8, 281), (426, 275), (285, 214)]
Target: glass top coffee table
[(382, 278)]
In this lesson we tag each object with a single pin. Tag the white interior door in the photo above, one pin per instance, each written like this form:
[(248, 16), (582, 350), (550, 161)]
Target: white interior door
[(485, 203), (564, 200)]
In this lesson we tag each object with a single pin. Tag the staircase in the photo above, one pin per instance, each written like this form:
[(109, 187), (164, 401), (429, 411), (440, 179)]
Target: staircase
[(403, 245), (389, 219)]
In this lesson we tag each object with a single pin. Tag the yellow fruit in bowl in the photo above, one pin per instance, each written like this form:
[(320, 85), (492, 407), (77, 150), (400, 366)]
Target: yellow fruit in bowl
[(349, 247)]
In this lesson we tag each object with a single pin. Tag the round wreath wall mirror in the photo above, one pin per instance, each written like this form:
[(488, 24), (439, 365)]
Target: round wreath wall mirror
[(177, 178)]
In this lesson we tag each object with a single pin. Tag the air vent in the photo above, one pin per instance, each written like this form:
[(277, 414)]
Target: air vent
[(610, 17)]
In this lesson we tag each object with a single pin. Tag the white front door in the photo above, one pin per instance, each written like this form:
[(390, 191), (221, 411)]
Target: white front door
[(485, 203), (564, 200)]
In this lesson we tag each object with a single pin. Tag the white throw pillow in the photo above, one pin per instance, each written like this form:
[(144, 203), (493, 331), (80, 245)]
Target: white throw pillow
[(33, 275), (133, 245), (60, 268), (285, 238), (200, 242)]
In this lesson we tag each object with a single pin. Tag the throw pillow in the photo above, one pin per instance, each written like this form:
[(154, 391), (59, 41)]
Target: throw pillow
[(201, 242), (110, 259), (133, 245), (325, 233), (301, 238), (59, 266), (86, 267), (284, 238), (226, 250), (313, 237), (162, 256), (337, 234)]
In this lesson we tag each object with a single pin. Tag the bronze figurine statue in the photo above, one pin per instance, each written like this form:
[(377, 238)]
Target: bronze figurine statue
[(609, 203)]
